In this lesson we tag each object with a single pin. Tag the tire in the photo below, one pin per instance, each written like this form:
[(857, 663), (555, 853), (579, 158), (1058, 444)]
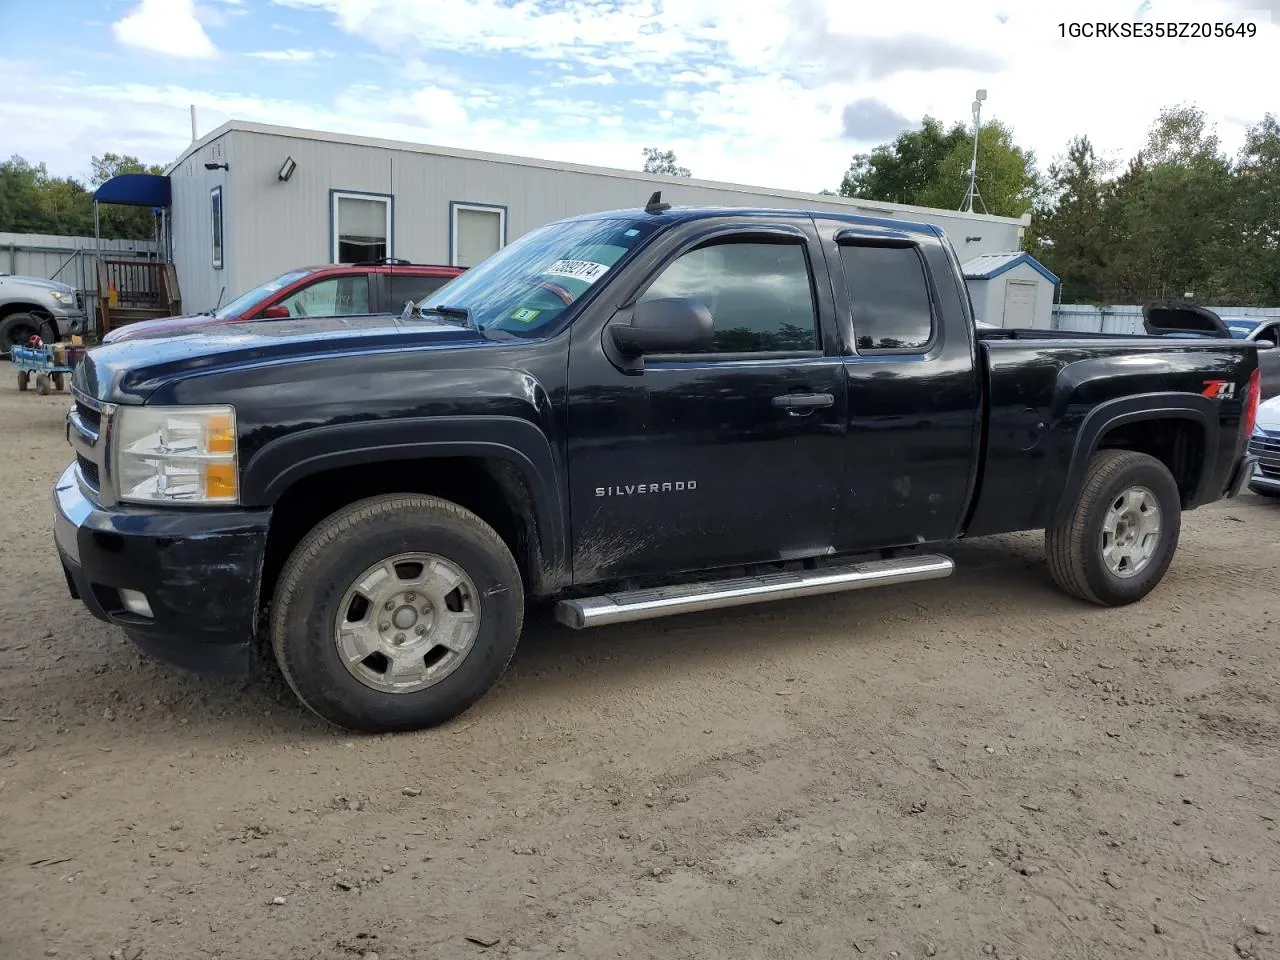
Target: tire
[(24, 378), (329, 573), (17, 328), (42, 384), (1075, 547), (58, 382)]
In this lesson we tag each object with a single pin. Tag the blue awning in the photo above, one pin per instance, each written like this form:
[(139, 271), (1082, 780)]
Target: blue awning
[(135, 190)]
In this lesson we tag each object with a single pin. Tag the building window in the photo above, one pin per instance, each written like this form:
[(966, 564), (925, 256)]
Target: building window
[(361, 227), (215, 213), (476, 230)]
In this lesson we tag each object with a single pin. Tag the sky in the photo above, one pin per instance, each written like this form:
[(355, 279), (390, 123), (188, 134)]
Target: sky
[(776, 93)]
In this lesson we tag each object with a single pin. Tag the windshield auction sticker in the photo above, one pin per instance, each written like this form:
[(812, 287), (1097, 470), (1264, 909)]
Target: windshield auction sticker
[(585, 270)]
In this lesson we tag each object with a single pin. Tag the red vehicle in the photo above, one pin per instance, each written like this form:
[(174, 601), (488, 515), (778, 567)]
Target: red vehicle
[(340, 289)]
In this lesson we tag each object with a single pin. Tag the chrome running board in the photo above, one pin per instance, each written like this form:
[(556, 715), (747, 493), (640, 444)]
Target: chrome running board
[(692, 597)]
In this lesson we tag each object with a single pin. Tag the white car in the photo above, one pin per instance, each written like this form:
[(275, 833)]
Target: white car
[(1265, 445)]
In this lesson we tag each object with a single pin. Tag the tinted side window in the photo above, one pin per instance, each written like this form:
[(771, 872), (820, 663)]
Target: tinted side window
[(759, 294), (407, 287), (890, 297)]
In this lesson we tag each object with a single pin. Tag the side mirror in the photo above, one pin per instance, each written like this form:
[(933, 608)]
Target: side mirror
[(669, 325), (276, 311)]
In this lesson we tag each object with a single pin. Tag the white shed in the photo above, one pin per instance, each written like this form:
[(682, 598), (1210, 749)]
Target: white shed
[(1011, 290)]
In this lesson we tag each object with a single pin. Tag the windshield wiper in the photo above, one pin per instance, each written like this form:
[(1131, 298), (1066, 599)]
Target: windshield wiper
[(445, 310)]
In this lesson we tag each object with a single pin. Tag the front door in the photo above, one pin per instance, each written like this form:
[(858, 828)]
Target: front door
[(721, 458)]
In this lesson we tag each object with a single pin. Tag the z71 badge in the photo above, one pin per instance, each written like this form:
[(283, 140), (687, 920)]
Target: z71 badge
[(1219, 390)]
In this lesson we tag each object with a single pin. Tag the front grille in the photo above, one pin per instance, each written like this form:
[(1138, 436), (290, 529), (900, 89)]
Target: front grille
[(88, 470), (1267, 449), (88, 415)]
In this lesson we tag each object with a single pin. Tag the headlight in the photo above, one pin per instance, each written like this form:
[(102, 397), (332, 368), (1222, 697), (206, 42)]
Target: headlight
[(176, 454), (64, 296)]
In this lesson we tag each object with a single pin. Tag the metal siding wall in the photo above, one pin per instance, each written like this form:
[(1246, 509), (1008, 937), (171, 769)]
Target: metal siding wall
[(1127, 318), (200, 284), (273, 227), (72, 259)]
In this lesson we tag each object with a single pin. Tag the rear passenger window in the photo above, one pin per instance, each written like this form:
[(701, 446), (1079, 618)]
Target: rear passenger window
[(890, 297), (408, 287), (759, 294)]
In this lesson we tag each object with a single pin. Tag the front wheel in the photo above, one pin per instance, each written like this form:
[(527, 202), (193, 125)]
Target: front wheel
[(1117, 543), (396, 613)]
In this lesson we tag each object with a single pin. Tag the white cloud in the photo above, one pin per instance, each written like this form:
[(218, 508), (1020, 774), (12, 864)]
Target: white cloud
[(290, 55), (757, 92), (165, 26)]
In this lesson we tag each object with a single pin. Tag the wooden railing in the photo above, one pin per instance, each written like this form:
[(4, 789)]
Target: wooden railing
[(131, 290)]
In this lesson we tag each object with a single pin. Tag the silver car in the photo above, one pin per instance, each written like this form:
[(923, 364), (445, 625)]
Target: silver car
[(1265, 445)]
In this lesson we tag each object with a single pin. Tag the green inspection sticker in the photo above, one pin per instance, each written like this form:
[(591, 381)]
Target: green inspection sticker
[(525, 315)]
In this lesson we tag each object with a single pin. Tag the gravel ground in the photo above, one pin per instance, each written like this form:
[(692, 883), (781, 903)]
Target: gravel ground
[(979, 767)]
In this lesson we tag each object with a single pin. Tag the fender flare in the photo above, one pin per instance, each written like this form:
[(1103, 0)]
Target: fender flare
[(281, 463), (1125, 410)]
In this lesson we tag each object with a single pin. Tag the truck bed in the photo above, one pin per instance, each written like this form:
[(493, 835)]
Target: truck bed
[(1043, 385)]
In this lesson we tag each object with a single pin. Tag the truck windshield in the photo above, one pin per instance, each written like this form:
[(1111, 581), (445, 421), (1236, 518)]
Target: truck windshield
[(246, 300), (524, 288)]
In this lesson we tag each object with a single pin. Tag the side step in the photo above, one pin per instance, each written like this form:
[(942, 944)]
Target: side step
[(692, 597)]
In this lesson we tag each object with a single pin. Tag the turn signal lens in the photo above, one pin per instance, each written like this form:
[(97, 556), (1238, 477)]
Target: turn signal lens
[(220, 434), (220, 481)]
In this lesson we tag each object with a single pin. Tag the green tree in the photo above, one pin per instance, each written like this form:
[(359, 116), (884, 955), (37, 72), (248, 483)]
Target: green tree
[(900, 171), (31, 201), (1071, 232), (1253, 276), (664, 162), (1007, 180), (1175, 209), (929, 167)]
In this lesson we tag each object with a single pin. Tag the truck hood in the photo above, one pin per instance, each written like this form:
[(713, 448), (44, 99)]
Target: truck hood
[(129, 371), (37, 282), (163, 327)]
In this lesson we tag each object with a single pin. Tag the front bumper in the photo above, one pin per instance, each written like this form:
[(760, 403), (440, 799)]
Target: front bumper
[(199, 570), (70, 323)]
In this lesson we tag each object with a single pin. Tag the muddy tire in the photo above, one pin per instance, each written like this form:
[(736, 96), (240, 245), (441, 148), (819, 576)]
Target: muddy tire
[(1117, 543), (396, 613), (24, 379), (58, 382), (42, 384)]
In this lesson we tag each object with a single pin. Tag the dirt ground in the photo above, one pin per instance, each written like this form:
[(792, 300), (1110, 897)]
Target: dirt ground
[(979, 767)]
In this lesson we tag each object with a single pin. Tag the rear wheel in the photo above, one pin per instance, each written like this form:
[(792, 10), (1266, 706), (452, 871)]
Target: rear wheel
[(58, 382), (1117, 543), (24, 378), (396, 613), (42, 384)]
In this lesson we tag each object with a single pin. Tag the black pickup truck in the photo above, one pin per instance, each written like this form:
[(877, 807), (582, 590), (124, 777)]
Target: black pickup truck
[(628, 415)]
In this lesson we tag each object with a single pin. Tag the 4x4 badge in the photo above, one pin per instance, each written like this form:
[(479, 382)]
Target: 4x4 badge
[(1219, 390)]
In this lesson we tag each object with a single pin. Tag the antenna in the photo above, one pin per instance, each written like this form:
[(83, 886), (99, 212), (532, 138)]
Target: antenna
[(972, 193), (655, 204)]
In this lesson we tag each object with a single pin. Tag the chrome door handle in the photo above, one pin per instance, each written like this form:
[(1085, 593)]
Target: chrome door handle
[(792, 401)]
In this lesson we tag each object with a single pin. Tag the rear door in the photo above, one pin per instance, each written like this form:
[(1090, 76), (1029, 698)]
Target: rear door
[(910, 370)]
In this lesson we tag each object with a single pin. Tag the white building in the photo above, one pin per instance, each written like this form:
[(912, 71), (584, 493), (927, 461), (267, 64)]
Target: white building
[(1011, 290), (251, 201)]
